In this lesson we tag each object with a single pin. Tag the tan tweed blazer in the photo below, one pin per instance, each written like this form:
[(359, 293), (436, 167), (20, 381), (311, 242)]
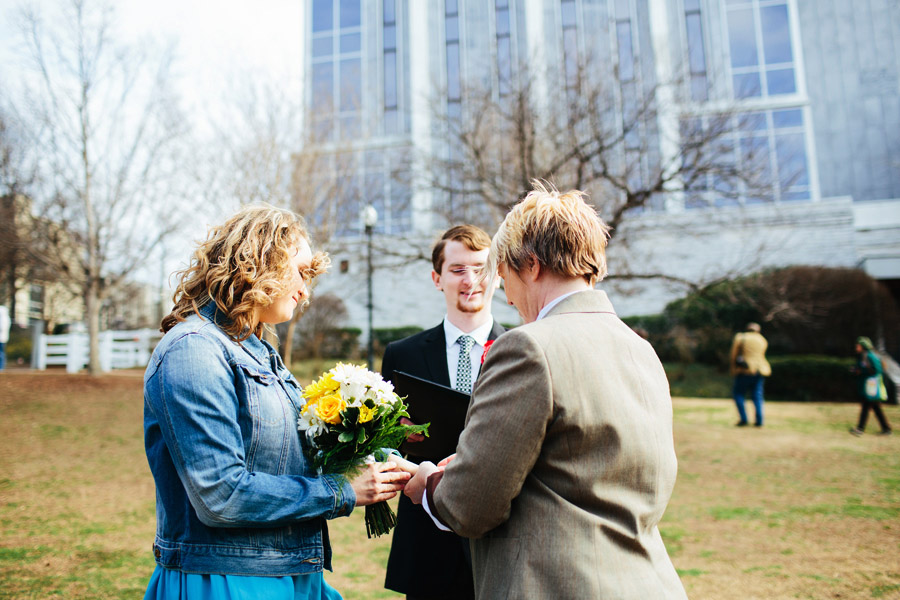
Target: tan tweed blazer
[(567, 462)]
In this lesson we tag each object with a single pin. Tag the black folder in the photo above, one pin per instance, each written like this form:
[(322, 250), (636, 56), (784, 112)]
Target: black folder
[(441, 406)]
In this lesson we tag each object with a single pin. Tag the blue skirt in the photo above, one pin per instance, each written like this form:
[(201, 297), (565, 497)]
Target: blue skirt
[(169, 584)]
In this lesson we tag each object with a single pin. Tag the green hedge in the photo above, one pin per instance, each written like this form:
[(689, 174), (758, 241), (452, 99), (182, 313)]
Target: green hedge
[(795, 378), (19, 345), (385, 335), (812, 378)]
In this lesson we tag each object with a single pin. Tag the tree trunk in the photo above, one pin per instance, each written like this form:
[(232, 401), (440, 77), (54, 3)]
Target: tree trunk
[(92, 308)]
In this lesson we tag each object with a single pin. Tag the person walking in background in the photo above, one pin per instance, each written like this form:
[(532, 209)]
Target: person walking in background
[(872, 391), (425, 562), (240, 511), (749, 366), (4, 334)]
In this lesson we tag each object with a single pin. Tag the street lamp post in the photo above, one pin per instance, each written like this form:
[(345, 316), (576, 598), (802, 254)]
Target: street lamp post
[(369, 219)]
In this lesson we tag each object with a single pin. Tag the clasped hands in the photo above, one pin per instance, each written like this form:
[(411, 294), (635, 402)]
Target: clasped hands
[(379, 482)]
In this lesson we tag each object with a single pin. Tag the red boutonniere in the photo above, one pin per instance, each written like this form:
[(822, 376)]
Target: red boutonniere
[(487, 346)]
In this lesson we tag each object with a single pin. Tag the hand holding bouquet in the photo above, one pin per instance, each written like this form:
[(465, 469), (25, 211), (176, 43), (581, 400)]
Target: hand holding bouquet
[(352, 416)]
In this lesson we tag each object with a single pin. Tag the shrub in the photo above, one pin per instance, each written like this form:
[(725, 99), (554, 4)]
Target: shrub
[(19, 345), (802, 310), (812, 378), (385, 335)]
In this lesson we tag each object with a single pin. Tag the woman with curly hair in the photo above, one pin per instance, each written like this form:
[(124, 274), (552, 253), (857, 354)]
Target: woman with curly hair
[(240, 512)]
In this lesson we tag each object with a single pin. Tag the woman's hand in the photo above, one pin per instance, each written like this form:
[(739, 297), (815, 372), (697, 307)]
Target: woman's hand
[(378, 482)]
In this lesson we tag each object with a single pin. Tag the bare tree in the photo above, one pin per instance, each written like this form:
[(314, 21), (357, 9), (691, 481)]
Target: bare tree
[(107, 142), (266, 154), (630, 145)]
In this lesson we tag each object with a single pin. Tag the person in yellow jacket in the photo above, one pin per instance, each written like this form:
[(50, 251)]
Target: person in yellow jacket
[(749, 366)]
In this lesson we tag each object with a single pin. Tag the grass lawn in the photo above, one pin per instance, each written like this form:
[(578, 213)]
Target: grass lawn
[(797, 509)]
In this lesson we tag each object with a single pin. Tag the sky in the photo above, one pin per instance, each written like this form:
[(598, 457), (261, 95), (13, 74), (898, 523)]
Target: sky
[(216, 42), (217, 39)]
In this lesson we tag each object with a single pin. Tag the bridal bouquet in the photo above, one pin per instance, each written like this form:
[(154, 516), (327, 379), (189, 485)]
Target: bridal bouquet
[(351, 417)]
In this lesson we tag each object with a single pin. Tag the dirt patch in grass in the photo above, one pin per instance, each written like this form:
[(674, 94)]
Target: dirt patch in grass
[(796, 509)]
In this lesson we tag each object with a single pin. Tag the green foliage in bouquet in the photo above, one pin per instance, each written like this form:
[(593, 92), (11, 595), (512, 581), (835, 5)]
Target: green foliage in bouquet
[(351, 417)]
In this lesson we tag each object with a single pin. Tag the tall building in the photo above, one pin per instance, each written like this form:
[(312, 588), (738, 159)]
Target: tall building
[(807, 91)]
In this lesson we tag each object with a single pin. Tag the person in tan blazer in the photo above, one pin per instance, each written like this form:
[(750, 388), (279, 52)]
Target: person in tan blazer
[(749, 366), (567, 460)]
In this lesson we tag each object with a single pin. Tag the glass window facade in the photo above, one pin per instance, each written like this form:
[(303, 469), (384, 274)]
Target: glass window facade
[(696, 47), (766, 146), (569, 20), (504, 51), (391, 83), (336, 69), (759, 41)]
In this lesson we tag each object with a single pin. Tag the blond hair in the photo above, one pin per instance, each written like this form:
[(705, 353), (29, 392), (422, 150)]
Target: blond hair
[(560, 231), (243, 265)]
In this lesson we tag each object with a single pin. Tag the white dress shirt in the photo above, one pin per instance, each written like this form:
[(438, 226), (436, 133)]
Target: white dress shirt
[(480, 335)]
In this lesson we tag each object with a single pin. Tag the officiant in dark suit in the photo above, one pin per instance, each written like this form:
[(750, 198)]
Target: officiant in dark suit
[(426, 563)]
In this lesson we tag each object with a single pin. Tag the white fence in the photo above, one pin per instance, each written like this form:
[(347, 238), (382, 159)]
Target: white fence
[(118, 349)]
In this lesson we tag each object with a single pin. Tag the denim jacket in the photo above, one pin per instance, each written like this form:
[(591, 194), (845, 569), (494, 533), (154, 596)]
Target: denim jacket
[(234, 492)]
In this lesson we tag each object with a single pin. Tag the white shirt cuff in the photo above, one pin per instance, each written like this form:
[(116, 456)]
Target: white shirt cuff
[(439, 525)]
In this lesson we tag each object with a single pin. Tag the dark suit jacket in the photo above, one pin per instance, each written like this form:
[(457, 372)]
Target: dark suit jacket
[(425, 561)]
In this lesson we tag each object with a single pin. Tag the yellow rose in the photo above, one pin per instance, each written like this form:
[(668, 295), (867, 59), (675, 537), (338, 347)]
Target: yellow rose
[(325, 385), (366, 414), (329, 408)]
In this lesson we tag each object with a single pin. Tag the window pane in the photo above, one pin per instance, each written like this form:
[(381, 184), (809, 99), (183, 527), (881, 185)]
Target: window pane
[(390, 37), (351, 42), (568, 14), (323, 93), (793, 196), (696, 54), (390, 15), (626, 54), (752, 122), (322, 18), (453, 91), (351, 85), (699, 88), (350, 128), (454, 111), (570, 49), (791, 153), (623, 9), (350, 13), (391, 121), (452, 29), (322, 46), (742, 38), (776, 34), (747, 85), (390, 79), (450, 7), (504, 70), (787, 118), (323, 130), (690, 5), (501, 3), (502, 21), (781, 81), (755, 157)]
